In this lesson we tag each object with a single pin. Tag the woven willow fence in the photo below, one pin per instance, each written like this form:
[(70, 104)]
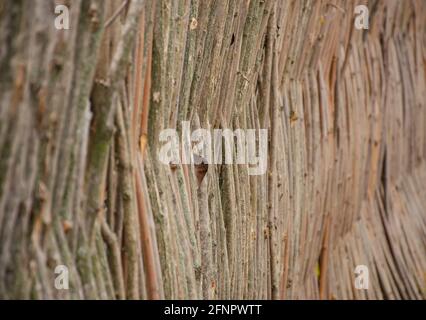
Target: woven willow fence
[(81, 184)]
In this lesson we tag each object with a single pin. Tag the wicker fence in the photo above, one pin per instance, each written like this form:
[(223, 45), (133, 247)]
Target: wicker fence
[(81, 115)]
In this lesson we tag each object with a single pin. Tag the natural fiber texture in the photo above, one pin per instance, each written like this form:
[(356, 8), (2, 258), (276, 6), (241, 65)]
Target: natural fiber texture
[(345, 111)]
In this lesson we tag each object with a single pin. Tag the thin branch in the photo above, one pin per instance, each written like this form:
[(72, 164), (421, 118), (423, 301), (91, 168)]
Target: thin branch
[(116, 14)]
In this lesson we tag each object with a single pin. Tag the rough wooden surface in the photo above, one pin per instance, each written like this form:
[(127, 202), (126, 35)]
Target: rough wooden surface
[(81, 184)]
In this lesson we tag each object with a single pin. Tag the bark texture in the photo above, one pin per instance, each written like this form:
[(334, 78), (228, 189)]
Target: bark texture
[(81, 184)]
